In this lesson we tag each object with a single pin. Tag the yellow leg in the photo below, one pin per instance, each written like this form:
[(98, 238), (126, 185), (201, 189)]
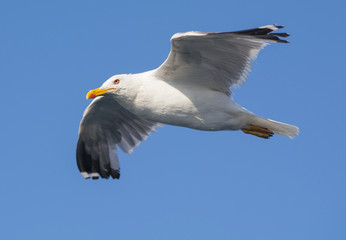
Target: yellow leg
[(258, 131)]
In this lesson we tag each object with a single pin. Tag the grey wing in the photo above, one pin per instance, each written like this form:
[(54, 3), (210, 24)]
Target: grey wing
[(106, 125), (216, 60)]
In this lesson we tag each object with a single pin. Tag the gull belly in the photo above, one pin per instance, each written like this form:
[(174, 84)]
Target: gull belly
[(185, 105)]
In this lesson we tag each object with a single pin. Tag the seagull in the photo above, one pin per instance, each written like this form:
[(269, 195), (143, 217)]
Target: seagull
[(190, 89)]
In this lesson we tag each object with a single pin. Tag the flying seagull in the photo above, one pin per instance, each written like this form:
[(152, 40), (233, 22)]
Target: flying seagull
[(190, 89)]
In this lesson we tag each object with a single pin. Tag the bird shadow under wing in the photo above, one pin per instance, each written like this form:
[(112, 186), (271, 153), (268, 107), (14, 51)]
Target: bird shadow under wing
[(106, 125)]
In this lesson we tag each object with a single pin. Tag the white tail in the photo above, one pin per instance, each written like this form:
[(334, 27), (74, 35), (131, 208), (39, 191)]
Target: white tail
[(276, 127)]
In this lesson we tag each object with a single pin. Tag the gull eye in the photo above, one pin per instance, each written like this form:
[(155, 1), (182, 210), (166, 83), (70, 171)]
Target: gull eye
[(116, 81)]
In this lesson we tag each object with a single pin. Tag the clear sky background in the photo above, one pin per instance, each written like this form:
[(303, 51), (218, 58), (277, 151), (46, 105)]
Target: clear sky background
[(180, 183)]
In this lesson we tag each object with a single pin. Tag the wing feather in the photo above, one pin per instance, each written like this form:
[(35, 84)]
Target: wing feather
[(216, 60), (106, 125)]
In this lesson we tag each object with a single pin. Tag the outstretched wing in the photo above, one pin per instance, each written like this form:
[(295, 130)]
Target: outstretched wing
[(215, 60), (106, 125)]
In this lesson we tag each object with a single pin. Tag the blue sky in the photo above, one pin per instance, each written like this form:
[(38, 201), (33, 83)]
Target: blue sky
[(180, 183)]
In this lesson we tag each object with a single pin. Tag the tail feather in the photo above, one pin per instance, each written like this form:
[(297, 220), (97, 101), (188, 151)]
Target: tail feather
[(276, 127)]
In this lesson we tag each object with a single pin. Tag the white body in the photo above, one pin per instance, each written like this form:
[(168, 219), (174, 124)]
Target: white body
[(177, 103)]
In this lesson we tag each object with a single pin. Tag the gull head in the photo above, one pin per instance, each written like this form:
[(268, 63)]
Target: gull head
[(114, 85)]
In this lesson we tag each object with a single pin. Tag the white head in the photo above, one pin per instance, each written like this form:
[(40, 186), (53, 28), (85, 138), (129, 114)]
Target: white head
[(117, 85)]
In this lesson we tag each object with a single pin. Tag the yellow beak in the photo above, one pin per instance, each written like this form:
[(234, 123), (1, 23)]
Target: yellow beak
[(97, 92)]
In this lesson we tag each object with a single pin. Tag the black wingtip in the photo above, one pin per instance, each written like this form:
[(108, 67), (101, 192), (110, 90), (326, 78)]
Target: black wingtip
[(265, 32), (282, 41), (90, 167), (115, 173), (282, 34)]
